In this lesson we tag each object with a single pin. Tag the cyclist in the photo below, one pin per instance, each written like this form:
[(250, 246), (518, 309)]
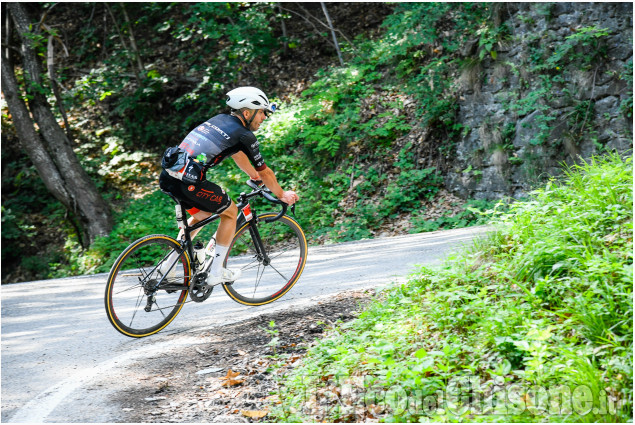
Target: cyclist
[(217, 138)]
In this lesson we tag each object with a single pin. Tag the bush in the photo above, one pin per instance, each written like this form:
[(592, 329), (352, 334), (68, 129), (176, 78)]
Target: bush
[(541, 312)]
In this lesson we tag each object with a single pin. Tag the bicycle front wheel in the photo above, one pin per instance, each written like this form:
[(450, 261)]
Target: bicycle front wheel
[(266, 276), (138, 301)]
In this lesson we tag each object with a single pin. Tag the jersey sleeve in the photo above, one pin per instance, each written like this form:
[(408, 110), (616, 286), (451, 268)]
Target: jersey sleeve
[(250, 146)]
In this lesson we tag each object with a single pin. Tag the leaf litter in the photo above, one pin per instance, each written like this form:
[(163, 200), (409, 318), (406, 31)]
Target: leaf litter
[(232, 375)]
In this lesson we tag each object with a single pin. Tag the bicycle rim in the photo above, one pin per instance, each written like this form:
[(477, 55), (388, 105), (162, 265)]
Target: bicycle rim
[(261, 282), (133, 286)]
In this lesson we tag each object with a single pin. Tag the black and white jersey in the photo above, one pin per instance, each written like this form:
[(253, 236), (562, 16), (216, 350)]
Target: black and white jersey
[(222, 136)]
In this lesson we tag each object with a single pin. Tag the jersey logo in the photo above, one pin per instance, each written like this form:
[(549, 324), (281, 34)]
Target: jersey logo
[(202, 129), (225, 135), (191, 188)]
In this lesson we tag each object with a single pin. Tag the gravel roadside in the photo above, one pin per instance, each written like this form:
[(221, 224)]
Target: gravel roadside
[(227, 377)]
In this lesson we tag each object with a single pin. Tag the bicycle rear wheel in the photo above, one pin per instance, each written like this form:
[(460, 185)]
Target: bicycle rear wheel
[(266, 278), (137, 302)]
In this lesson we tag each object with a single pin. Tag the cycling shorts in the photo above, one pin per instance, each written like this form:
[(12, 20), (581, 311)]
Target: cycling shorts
[(204, 196)]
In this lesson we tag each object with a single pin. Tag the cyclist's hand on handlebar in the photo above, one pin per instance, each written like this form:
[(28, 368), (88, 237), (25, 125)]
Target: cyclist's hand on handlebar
[(289, 197)]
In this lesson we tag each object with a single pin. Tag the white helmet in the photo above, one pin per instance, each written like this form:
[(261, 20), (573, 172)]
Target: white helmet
[(249, 97)]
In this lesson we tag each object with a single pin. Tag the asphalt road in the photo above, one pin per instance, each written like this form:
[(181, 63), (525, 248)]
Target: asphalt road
[(57, 341)]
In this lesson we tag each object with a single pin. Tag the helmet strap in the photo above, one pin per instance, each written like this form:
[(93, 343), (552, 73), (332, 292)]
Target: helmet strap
[(252, 118)]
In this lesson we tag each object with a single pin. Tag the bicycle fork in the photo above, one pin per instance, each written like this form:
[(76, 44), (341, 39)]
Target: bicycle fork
[(261, 252)]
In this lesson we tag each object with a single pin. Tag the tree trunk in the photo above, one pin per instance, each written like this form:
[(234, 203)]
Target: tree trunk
[(45, 166), (84, 201)]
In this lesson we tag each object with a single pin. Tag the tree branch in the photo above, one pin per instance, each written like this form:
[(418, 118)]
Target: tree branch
[(313, 25), (337, 46), (122, 41), (133, 42), (50, 65), (326, 26)]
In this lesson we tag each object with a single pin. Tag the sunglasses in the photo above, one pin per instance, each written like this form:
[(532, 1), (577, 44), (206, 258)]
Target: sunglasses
[(269, 113)]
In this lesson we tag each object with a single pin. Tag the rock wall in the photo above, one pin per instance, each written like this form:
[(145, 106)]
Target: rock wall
[(556, 89)]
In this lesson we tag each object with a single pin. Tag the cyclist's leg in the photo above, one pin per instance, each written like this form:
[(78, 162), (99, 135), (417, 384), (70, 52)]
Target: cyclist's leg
[(227, 226), (224, 236), (177, 189), (208, 196), (196, 216), (201, 200)]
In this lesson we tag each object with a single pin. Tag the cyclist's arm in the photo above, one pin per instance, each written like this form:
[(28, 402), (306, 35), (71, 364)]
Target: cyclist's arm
[(243, 163), (269, 179)]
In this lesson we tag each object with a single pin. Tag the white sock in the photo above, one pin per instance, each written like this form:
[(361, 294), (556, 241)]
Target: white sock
[(220, 252)]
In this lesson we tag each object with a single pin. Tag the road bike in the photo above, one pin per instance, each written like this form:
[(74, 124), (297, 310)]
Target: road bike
[(270, 249)]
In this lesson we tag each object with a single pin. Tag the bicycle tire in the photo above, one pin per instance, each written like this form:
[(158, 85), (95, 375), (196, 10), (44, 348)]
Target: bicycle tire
[(133, 274), (260, 283)]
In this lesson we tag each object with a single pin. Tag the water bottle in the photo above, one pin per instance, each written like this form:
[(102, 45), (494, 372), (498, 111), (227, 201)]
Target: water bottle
[(209, 250), (179, 217), (199, 253)]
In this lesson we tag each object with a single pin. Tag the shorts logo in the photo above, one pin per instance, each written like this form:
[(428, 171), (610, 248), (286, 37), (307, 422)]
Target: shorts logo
[(191, 188), (209, 196)]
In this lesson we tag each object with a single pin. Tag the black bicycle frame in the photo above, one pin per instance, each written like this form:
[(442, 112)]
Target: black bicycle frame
[(253, 230)]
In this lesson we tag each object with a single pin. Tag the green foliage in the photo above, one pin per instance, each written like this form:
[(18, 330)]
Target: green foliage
[(152, 214), (489, 38), (584, 47), (27, 206), (473, 213), (343, 110), (626, 105), (326, 142), (237, 35), (551, 65), (544, 303)]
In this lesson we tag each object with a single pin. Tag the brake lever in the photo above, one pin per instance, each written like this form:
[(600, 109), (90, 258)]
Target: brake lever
[(293, 209)]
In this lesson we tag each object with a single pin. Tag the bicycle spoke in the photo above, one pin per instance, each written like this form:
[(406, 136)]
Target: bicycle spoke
[(159, 309), (285, 255), (128, 289), (249, 266), (258, 280), (137, 269), (277, 271), (139, 299)]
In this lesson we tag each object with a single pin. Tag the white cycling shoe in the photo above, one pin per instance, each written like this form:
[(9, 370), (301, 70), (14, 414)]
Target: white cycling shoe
[(225, 276)]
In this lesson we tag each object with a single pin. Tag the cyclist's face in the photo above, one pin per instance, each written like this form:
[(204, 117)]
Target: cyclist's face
[(258, 119)]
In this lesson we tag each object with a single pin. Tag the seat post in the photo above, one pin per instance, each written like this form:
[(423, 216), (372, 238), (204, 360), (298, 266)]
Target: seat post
[(183, 213)]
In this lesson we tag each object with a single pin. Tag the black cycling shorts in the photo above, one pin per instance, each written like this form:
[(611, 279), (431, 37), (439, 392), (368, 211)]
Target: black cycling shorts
[(204, 196)]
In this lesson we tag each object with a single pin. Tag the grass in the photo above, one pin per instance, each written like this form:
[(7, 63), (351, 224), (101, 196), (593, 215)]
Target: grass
[(533, 324)]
